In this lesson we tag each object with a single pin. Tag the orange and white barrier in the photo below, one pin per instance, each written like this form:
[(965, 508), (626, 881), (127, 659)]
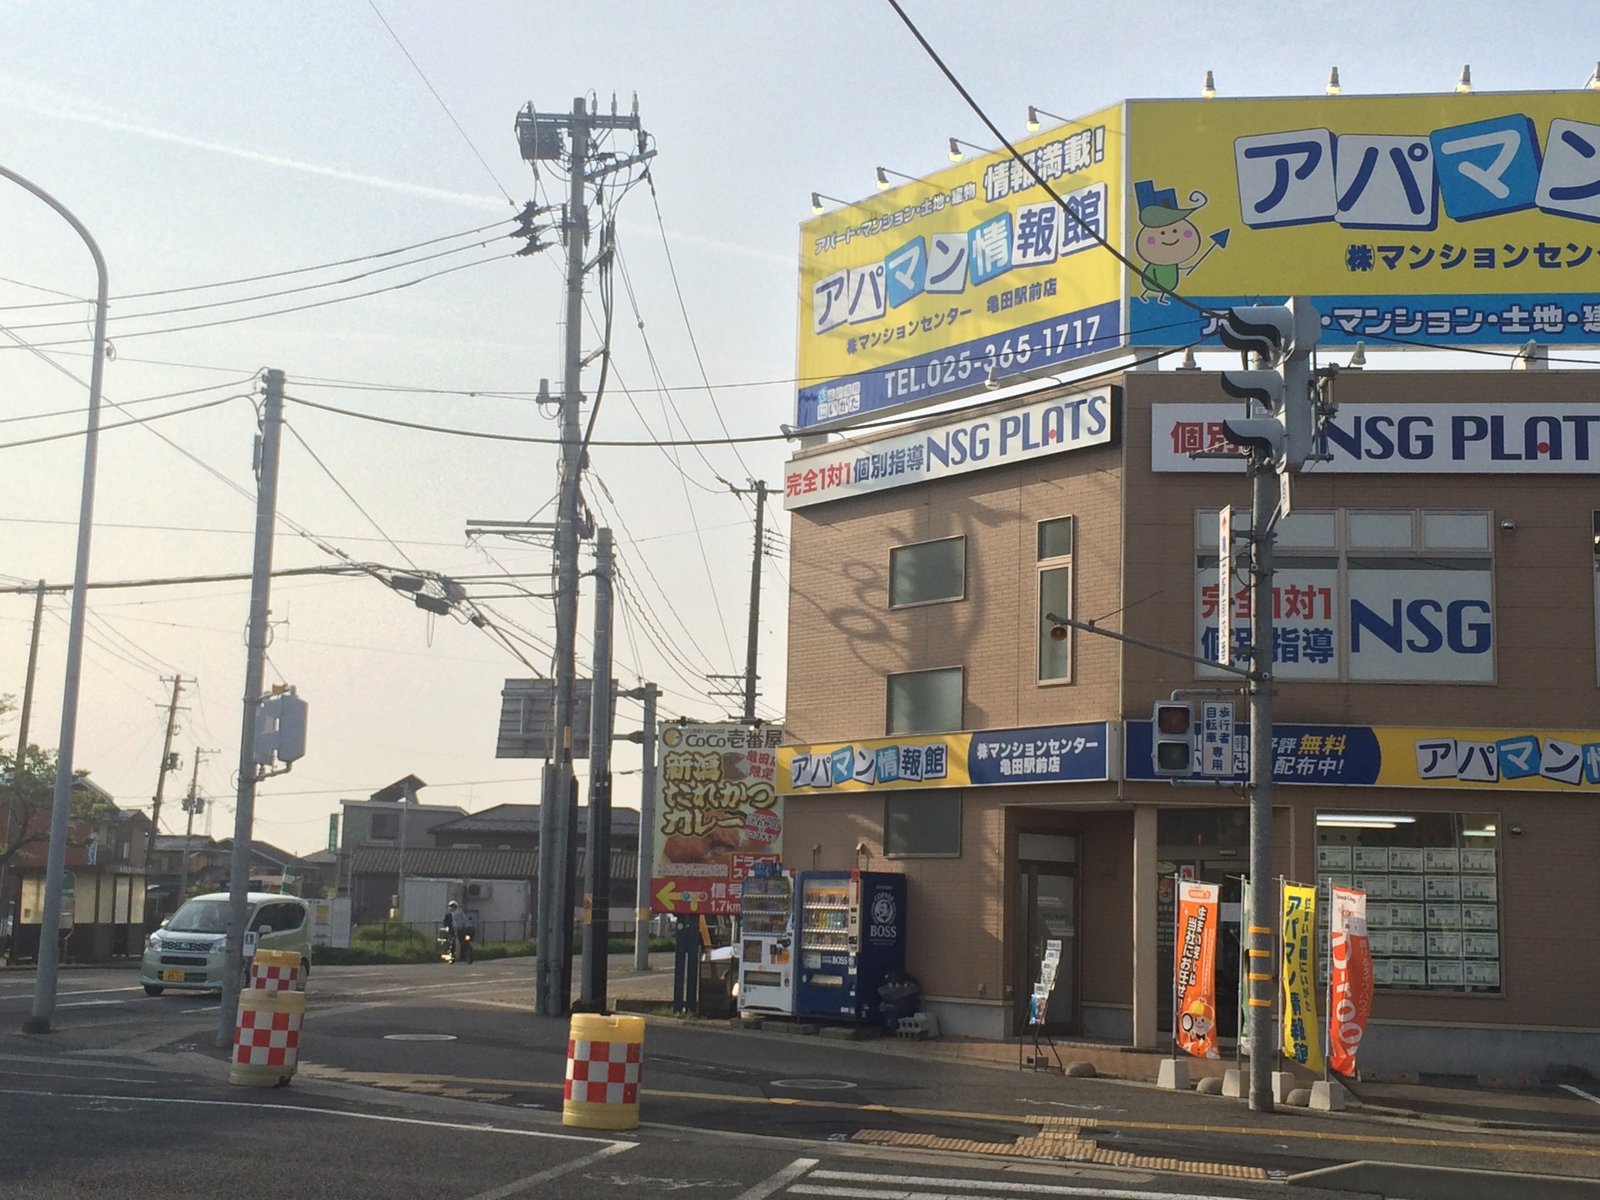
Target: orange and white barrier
[(266, 1035), (275, 971), (605, 1059)]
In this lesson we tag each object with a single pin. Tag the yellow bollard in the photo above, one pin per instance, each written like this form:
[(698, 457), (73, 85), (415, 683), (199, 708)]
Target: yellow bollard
[(266, 1037), (605, 1057)]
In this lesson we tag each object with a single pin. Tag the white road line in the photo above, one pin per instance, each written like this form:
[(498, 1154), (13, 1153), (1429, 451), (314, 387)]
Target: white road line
[(772, 1183), (89, 1004), (326, 1112), (900, 1188), (522, 1185), (81, 1061), (1577, 1091)]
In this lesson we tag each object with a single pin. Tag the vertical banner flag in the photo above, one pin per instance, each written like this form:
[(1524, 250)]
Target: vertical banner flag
[(1299, 1014), (1196, 979), (1350, 977)]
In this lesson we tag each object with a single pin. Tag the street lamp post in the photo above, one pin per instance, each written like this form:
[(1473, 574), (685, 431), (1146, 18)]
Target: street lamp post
[(44, 989)]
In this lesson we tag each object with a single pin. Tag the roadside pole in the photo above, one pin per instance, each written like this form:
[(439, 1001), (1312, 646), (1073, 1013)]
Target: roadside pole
[(646, 737), (254, 668), (597, 835), (1259, 942)]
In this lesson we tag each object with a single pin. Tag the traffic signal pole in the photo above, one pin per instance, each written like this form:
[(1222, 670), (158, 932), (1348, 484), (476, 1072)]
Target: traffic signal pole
[(1260, 944)]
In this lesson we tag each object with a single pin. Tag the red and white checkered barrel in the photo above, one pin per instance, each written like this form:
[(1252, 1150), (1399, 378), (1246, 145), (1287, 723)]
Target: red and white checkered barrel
[(605, 1057), (275, 971), (266, 1037)]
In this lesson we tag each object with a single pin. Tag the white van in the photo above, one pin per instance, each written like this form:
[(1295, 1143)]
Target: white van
[(189, 951)]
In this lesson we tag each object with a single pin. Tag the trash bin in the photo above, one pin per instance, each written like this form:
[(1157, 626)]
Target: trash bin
[(899, 995)]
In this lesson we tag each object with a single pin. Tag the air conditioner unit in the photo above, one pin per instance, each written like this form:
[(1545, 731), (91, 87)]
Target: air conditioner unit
[(479, 891)]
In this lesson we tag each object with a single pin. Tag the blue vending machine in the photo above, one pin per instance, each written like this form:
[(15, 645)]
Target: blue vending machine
[(852, 935)]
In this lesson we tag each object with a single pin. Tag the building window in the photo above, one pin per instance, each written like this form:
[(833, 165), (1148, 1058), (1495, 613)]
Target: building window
[(1433, 895), (1402, 596), (1055, 596), (928, 572), (925, 701), (922, 824), (385, 827)]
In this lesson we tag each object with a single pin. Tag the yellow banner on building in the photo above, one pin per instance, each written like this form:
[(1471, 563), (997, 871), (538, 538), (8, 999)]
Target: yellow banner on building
[(921, 760), (913, 295), (1301, 1040)]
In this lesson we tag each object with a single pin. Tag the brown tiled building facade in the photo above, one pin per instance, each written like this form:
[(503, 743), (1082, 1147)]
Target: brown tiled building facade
[(1470, 548)]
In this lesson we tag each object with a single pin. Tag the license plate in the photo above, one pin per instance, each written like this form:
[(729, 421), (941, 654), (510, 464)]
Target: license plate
[(172, 977)]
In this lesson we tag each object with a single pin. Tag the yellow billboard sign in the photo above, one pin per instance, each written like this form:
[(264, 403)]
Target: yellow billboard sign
[(1417, 220), (919, 293)]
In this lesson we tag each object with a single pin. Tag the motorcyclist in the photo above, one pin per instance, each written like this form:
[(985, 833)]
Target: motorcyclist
[(451, 926)]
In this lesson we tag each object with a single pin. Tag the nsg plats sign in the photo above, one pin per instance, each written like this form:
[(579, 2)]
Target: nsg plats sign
[(1365, 625)]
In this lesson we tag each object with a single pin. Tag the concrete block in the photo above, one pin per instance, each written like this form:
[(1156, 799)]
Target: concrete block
[(1299, 1097), (1235, 1084), (1283, 1082), (1174, 1075), (1081, 1070), (1327, 1095), (1209, 1085)]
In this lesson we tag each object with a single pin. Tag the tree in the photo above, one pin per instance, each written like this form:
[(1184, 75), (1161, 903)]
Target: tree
[(26, 797)]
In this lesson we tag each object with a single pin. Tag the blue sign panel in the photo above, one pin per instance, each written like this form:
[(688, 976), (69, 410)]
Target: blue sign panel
[(1044, 754)]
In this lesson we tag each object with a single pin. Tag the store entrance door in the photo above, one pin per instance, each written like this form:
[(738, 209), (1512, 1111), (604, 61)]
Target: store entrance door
[(1048, 911)]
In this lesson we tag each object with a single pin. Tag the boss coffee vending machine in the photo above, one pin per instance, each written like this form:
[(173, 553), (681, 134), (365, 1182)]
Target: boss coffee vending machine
[(852, 935)]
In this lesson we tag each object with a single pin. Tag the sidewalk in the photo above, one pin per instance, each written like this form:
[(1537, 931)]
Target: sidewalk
[(1456, 1101)]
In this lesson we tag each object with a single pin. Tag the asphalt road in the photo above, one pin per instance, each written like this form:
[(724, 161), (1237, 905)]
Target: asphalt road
[(438, 1081)]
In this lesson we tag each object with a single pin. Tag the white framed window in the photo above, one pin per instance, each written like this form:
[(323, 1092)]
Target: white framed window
[(1055, 558), (1432, 884), (928, 572), (925, 701)]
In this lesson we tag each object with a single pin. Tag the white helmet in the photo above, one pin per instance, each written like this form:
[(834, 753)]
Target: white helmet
[(452, 904)]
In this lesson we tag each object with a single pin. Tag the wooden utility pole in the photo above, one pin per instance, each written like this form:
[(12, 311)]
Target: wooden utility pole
[(168, 763)]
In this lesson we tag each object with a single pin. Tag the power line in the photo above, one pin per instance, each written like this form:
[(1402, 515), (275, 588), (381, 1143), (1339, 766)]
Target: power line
[(200, 287), (278, 312), (434, 91), (293, 291), (73, 412), (145, 420)]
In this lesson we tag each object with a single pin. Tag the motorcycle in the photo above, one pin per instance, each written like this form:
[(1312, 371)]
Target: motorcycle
[(449, 952)]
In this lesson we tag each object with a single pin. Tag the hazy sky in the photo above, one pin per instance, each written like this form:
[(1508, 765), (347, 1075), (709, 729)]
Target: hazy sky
[(208, 143)]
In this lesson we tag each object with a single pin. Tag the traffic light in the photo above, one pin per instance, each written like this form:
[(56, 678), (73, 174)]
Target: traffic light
[(1283, 336), (1172, 749), (280, 729)]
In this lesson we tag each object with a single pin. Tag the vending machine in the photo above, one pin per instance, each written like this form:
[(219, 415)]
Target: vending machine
[(766, 941), (852, 935)]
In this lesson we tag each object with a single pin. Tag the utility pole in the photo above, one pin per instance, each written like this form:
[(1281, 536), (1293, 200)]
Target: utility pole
[(753, 635), (597, 857), (19, 774), (254, 668), (192, 804), (168, 763), (646, 737), (539, 135)]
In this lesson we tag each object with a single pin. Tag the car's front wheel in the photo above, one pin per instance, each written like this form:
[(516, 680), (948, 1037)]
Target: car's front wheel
[(151, 989)]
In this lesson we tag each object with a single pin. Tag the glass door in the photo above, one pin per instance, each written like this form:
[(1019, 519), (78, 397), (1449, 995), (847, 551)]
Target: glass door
[(1048, 915)]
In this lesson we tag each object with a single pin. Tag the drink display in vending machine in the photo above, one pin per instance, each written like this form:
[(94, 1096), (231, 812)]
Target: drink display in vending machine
[(766, 955), (852, 936)]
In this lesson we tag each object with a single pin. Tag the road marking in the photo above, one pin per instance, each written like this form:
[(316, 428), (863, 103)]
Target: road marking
[(1009, 1187), (783, 1178), (81, 1061), (1578, 1091), (89, 1004), (377, 1079), (522, 1185), (815, 1085), (419, 1037), (327, 1112)]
